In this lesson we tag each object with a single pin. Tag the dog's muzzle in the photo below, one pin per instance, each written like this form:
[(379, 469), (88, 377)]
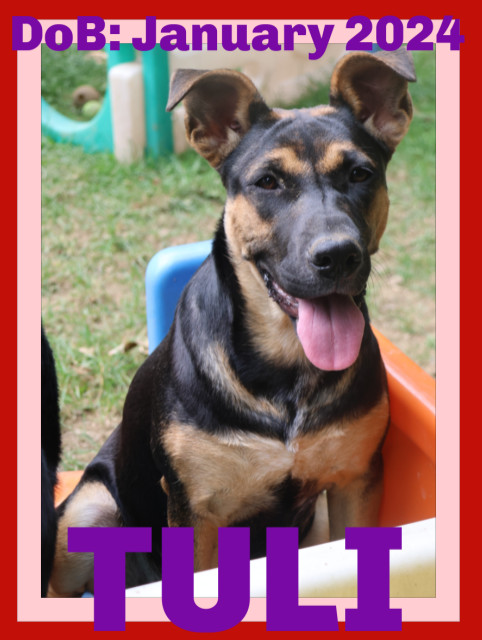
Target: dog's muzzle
[(330, 328)]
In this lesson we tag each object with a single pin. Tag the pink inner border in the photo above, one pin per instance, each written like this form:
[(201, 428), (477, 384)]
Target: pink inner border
[(445, 606)]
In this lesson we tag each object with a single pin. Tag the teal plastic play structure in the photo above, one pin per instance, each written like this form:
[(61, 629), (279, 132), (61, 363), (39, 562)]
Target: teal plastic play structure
[(96, 134)]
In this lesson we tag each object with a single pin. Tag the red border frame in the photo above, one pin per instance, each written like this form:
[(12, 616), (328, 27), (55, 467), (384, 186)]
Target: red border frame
[(470, 225)]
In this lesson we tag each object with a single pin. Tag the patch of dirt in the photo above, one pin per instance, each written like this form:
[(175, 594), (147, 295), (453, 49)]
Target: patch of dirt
[(82, 437)]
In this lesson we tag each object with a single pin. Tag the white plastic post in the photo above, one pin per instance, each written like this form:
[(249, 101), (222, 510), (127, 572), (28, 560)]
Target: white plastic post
[(126, 87)]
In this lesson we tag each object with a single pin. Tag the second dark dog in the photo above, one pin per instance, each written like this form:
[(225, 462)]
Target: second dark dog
[(51, 448)]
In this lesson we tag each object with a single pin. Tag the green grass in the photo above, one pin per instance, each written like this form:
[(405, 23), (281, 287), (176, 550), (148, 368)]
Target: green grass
[(402, 292), (102, 221)]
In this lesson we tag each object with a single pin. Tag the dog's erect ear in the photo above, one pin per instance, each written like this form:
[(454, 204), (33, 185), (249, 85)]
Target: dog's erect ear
[(221, 106), (374, 86)]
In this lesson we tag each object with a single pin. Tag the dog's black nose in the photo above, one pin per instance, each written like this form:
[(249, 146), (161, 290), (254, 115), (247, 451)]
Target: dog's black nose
[(335, 259)]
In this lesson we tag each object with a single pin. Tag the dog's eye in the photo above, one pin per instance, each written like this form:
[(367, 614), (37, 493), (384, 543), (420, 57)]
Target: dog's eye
[(267, 182), (360, 174)]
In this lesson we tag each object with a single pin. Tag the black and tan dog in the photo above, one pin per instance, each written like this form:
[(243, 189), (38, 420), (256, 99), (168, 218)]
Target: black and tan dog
[(269, 387)]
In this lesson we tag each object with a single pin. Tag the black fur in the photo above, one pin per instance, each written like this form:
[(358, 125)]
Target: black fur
[(50, 421)]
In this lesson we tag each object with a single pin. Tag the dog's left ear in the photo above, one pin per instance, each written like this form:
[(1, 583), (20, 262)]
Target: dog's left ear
[(375, 87), (221, 106)]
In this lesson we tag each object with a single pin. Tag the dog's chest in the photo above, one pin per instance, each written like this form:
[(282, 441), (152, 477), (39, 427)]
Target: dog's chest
[(232, 477)]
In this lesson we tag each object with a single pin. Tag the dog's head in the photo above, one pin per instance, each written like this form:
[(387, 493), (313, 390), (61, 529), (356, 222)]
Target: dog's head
[(307, 200)]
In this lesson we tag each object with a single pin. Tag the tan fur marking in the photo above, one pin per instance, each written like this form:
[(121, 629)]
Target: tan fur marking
[(92, 506), (340, 453), (377, 218), (226, 478), (231, 477), (289, 160), (333, 156), (246, 231), (271, 329), (164, 485), (205, 545)]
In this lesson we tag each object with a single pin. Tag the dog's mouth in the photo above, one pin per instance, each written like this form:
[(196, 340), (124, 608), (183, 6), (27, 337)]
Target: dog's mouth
[(288, 303), (330, 327)]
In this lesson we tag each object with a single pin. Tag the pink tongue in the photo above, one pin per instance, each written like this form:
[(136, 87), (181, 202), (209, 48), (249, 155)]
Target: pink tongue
[(330, 330)]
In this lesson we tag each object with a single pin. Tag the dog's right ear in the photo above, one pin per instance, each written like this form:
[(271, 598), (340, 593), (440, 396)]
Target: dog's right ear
[(375, 87), (221, 107)]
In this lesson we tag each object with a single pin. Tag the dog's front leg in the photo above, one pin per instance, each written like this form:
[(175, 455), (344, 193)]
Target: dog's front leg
[(205, 542), (181, 514), (356, 504)]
